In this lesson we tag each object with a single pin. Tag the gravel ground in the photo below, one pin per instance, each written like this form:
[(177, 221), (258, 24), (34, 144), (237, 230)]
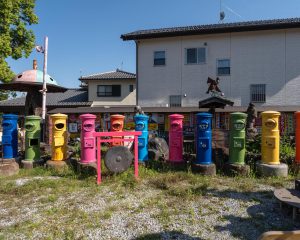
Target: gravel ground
[(143, 212)]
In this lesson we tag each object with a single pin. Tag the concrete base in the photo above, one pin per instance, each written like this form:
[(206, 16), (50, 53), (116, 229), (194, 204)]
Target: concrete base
[(267, 170), (28, 164), (8, 167), (87, 168), (57, 165), (231, 169), (204, 169)]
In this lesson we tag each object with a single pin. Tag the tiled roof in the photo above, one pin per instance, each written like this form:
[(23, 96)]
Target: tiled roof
[(118, 74), (72, 97), (214, 28)]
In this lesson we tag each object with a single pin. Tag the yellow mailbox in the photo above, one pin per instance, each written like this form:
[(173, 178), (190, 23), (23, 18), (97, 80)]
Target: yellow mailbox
[(270, 137), (59, 137)]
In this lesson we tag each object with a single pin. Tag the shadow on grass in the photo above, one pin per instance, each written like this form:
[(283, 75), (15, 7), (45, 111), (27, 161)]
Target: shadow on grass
[(176, 235)]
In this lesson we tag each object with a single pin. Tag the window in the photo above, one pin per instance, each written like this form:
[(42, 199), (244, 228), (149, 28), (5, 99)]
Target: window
[(223, 67), (159, 58), (195, 55), (258, 92), (130, 88), (175, 101), (109, 90)]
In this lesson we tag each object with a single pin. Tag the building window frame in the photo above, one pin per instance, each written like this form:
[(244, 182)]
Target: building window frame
[(131, 87), (197, 59), (109, 90), (175, 100), (223, 68), (258, 93), (159, 61)]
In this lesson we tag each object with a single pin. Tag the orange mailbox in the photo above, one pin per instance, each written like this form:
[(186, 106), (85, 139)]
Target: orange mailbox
[(297, 134), (117, 125)]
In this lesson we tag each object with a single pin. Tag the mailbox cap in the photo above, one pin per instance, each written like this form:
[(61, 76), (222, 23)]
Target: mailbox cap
[(87, 116), (204, 115), (9, 116), (239, 115), (117, 116), (141, 117), (59, 115), (270, 114), (297, 113), (176, 116), (32, 117)]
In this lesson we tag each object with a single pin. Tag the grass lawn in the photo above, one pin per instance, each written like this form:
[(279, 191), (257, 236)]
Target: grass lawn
[(42, 204)]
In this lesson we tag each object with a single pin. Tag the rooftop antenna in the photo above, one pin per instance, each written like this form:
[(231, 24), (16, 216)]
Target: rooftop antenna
[(222, 13), (121, 65)]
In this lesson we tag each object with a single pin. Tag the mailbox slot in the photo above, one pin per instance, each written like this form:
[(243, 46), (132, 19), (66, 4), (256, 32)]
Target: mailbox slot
[(58, 141), (29, 127), (6, 139), (270, 123), (203, 143), (239, 125), (7, 125), (238, 142), (89, 142), (203, 125), (59, 126), (139, 126), (88, 127), (271, 142), (116, 126), (33, 142)]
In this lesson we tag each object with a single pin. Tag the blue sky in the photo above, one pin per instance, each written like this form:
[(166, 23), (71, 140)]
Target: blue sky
[(84, 36)]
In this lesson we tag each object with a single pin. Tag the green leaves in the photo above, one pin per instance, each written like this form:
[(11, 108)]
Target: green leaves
[(16, 40)]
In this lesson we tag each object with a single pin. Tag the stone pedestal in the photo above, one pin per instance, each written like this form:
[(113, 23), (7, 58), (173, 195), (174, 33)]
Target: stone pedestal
[(87, 168), (57, 165), (268, 170), (8, 167), (232, 169), (204, 169), (27, 164)]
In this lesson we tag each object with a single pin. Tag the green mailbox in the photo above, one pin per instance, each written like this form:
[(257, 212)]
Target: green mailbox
[(237, 138), (32, 138)]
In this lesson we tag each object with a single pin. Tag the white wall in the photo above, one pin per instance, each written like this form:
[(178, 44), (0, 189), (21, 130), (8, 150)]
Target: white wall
[(127, 98), (262, 57)]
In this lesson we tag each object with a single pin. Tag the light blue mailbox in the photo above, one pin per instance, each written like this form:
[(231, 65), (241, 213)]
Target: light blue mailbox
[(10, 135), (141, 124), (204, 139)]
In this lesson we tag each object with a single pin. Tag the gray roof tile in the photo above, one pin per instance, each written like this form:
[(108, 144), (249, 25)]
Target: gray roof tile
[(214, 28), (72, 97), (113, 75)]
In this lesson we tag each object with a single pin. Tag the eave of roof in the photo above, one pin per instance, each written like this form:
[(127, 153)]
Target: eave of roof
[(214, 29), (113, 75)]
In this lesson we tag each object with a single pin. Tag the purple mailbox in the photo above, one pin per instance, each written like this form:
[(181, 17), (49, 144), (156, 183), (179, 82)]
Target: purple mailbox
[(88, 143), (176, 138)]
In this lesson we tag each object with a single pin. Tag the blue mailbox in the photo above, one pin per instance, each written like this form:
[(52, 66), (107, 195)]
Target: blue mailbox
[(141, 124), (9, 136), (204, 137)]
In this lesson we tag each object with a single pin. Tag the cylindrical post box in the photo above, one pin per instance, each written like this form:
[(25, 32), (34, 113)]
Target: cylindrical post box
[(32, 138), (141, 124), (59, 137), (204, 139), (297, 134), (270, 137), (10, 136), (176, 138), (117, 125), (88, 142), (237, 138)]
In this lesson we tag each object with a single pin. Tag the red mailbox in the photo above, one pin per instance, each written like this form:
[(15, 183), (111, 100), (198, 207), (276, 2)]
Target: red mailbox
[(117, 125), (176, 138)]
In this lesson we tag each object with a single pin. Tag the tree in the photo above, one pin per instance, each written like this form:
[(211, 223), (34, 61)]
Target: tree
[(16, 40)]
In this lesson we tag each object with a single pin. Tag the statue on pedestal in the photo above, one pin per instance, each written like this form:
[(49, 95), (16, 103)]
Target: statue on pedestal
[(252, 115)]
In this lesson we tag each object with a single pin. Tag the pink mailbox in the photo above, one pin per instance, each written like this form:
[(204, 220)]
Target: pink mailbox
[(176, 138), (88, 143)]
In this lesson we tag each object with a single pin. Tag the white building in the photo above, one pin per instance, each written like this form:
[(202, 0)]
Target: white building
[(115, 88), (256, 61)]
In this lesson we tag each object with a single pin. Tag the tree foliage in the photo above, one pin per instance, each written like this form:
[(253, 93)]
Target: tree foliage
[(16, 40)]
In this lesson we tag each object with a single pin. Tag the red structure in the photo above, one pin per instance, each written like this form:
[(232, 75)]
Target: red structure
[(116, 137), (176, 138)]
